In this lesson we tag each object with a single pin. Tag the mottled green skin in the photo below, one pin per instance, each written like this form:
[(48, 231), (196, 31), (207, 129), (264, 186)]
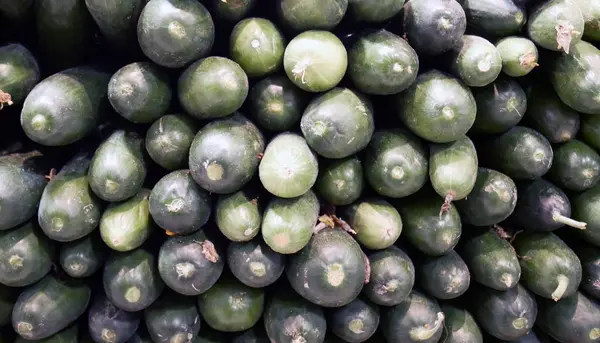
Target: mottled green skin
[(495, 18), (174, 33), (541, 26), (571, 78), (302, 15), (187, 251), (68, 335), (168, 140), (506, 315), (49, 306), (140, 92), (103, 316), (537, 203), (289, 318), (376, 222), (288, 224), (77, 96), (178, 204), (19, 73), (576, 166), (238, 215), (437, 107), (392, 276), (172, 318), (476, 61), (355, 322), (396, 163), (289, 168), (276, 104), (225, 154), (460, 326), (254, 263), (68, 208), (212, 87), (376, 12), (232, 10), (453, 168), (444, 277), (257, 46), (492, 199), (21, 187), (519, 55), (8, 296), (230, 306), (500, 106), (418, 311), (590, 9), (382, 63), (573, 319), (117, 20), (26, 255), (340, 182), (520, 153), (590, 265), (548, 115), (83, 257), (546, 258), (586, 208), (124, 271), (339, 123), (590, 131)]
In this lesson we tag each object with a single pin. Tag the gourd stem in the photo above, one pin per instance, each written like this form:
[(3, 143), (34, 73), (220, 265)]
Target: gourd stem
[(425, 332), (557, 217), (563, 283)]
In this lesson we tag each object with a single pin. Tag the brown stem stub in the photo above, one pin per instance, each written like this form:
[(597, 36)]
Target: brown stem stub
[(260, 156), (447, 204), (367, 269), (564, 35), (5, 99), (528, 60), (325, 222), (209, 251), (170, 233), (343, 224), (51, 175)]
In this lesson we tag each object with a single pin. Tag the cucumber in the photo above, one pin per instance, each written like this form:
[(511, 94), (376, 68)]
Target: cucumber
[(338, 124), (8, 297), (225, 154), (191, 264), (131, 280), (392, 276), (19, 75), (550, 268), (495, 18), (500, 106), (289, 319), (117, 21), (174, 33), (375, 12), (590, 264), (168, 141), (418, 319), (340, 182), (556, 25), (493, 199), (584, 208), (396, 163), (437, 107), (444, 277), (84, 257), (460, 326), (78, 101), (590, 131), (68, 335), (106, 323), (48, 307), (551, 117), (376, 222), (289, 168), (238, 215), (255, 264), (212, 87), (172, 318), (68, 209), (178, 204), (355, 322), (575, 167), (140, 92), (591, 17), (231, 306), (118, 168), (519, 55), (26, 255), (476, 61), (232, 10), (304, 15), (382, 63)]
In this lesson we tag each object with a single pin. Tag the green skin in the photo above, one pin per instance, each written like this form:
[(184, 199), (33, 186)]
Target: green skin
[(178, 204), (303, 15), (495, 18), (21, 187), (174, 33), (570, 78), (548, 115), (257, 46), (289, 319), (591, 15), (172, 318), (26, 255), (576, 166), (491, 260), (590, 131), (105, 321), (7, 301), (238, 215), (460, 326), (225, 154), (254, 263), (230, 306), (418, 319), (73, 113), (117, 20), (559, 321), (375, 12), (396, 163), (340, 182), (288, 224), (476, 61), (355, 322), (68, 208), (68, 335), (382, 63), (550, 268), (590, 264), (48, 307), (332, 265), (500, 106), (519, 55), (333, 135), (20, 72), (276, 104), (131, 280), (82, 258), (212, 87), (232, 10), (493, 199), (392, 277), (437, 107), (376, 222), (140, 92), (506, 315), (289, 168), (585, 209), (543, 22), (168, 140), (184, 265), (444, 277)]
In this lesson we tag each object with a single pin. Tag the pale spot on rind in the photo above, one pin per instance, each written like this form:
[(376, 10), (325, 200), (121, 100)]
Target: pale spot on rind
[(111, 186), (175, 205), (397, 67), (184, 270), (24, 328), (397, 173), (448, 113), (133, 295), (16, 261), (258, 268), (335, 274), (57, 224), (275, 107), (357, 326), (594, 334), (176, 29), (214, 171), (108, 335), (520, 323), (255, 43), (39, 122), (281, 240)]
